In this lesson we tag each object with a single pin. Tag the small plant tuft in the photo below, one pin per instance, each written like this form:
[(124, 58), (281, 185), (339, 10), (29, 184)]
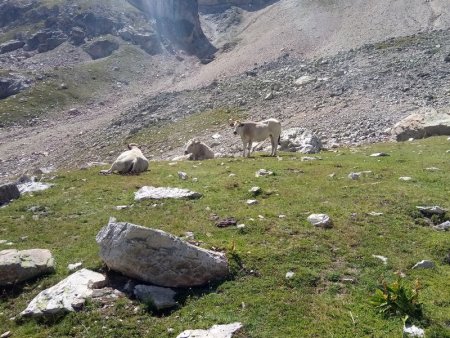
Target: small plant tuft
[(398, 299)]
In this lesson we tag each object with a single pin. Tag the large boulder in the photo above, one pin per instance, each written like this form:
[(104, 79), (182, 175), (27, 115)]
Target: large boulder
[(300, 140), (67, 296), (156, 193), (157, 257), (424, 123), (101, 48), (19, 266), (10, 46), (8, 192), (45, 40), (12, 85), (216, 331)]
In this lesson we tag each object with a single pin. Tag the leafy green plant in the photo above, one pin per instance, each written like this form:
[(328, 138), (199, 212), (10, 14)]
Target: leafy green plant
[(398, 299)]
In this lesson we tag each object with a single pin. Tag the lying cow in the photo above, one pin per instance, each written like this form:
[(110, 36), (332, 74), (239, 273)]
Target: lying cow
[(258, 131), (129, 162), (198, 150)]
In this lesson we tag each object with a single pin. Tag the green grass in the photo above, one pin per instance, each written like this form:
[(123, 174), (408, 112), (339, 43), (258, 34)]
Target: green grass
[(314, 303), (84, 81)]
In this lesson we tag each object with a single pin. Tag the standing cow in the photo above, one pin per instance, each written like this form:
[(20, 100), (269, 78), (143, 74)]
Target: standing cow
[(258, 131), (131, 161)]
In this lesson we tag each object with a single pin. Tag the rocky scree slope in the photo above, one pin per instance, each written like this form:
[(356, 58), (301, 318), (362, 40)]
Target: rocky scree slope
[(347, 99)]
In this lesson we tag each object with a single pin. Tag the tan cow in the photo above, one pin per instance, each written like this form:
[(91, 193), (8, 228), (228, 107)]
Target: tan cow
[(129, 162), (258, 131), (198, 150)]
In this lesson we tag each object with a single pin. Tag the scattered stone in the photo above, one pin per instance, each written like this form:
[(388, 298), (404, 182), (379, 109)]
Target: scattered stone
[(101, 48), (8, 192), (216, 136), (232, 175), (19, 266), (216, 331), (348, 280), (6, 334), (381, 258), (309, 158), (159, 297), (300, 140), (425, 123), (28, 185), (252, 202), (12, 85), (304, 80), (10, 46), (431, 210), (354, 176), (240, 226), (405, 178), (424, 264), (148, 192), (182, 175), (255, 191), (67, 296), (74, 266), (121, 207), (379, 155), (231, 221), (269, 96), (289, 275), (412, 331), (281, 216), (320, 220), (374, 213), (169, 261), (263, 172), (432, 169), (443, 226)]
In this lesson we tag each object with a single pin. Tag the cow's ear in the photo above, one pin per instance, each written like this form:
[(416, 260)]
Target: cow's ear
[(231, 123), (241, 124)]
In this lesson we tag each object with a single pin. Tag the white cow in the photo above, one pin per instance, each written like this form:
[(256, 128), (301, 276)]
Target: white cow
[(258, 131), (198, 150), (129, 162)]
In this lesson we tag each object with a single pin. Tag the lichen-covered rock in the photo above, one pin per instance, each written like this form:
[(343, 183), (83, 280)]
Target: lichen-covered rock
[(68, 295), (19, 266), (157, 257), (157, 193)]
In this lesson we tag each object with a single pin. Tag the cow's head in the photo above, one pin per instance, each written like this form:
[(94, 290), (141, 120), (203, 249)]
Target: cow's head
[(132, 145), (237, 125), (190, 146)]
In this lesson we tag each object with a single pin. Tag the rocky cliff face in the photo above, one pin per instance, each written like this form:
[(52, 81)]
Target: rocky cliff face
[(178, 20)]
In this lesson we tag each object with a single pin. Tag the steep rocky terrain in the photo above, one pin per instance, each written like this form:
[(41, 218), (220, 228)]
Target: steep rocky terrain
[(369, 65)]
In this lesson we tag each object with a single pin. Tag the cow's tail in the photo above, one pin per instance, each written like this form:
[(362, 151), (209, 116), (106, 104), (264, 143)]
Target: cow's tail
[(279, 139)]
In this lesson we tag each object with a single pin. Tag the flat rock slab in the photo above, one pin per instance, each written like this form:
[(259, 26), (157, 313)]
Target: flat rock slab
[(19, 266), (157, 257), (154, 193), (320, 220), (33, 187), (431, 210), (160, 298), (8, 192), (216, 331), (67, 296)]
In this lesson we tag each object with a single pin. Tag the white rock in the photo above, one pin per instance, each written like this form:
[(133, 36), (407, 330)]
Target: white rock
[(157, 257), (148, 192), (424, 264), (217, 331), (432, 210), (263, 172), (74, 266), (379, 154), (412, 331), (443, 226), (304, 80), (68, 295), (252, 202), (240, 226), (432, 169), (33, 187), (354, 176), (289, 275), (121, 207), (255, 190), (182, 175), (373, 213), (6, 334), (405, 178), (216, 136), (232, 175), (309, 158), (320, 220), (300, 140), (381, 258), (281, 216)]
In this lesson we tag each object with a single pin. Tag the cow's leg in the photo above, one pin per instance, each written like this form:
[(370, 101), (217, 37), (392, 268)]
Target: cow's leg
[(249, 148), (244, 143)]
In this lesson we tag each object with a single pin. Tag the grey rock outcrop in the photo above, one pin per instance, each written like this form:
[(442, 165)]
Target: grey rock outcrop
[(45, 40), (157, 257), (19, 266), (300, 140), (101, 48), (12, 85), (67, 296), (160, 298), (216, 331), (8, 192), (10, 46), (426, 122), (156, 193)]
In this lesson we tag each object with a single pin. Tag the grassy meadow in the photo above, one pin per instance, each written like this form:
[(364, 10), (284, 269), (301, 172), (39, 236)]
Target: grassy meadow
[(335, 273)]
